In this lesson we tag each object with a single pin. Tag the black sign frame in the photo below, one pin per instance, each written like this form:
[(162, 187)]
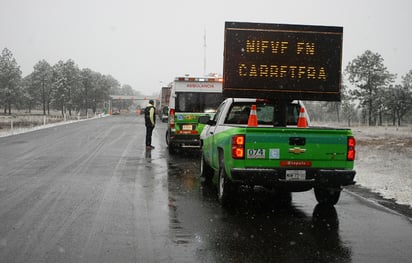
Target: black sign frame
[(282, 61)]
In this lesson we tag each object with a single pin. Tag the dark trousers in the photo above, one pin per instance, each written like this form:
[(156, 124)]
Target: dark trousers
[(149, 131)]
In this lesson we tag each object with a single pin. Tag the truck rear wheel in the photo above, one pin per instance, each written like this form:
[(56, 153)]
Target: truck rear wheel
[(226, 188), (327, 196), (283, 198)]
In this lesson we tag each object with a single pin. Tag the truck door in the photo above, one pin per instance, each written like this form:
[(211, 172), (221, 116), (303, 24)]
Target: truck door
[(209, 131)]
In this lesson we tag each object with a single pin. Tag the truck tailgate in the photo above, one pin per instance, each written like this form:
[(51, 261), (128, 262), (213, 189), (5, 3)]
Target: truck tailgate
[(297, 147)]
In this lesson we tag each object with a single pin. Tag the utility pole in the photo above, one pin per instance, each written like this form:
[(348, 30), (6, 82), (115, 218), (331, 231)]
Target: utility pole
[(204, 53)]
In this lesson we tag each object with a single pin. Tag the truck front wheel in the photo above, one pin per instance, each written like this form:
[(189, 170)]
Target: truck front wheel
[(327, 196), (205, 170)]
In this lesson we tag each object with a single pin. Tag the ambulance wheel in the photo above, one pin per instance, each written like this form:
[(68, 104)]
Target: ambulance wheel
[(172, 149), (170, 146)]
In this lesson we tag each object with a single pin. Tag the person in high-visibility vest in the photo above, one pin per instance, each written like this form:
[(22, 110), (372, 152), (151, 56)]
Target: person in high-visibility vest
[(150, 121)]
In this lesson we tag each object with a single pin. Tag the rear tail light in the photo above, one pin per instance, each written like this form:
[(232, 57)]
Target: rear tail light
[(238, 147), (351, 149), (172, 118)]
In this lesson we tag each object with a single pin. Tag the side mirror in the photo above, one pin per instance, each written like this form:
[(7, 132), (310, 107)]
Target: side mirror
[(206, 120)]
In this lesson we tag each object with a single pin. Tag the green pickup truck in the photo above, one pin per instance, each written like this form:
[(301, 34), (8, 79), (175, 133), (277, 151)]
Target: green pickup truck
[(269, 141), (275, 154)]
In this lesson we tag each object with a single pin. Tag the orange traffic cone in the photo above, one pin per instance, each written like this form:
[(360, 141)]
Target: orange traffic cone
[(302, 122), (252, 121)]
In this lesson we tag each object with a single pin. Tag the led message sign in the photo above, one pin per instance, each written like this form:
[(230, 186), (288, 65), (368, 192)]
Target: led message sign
[(282, 61)]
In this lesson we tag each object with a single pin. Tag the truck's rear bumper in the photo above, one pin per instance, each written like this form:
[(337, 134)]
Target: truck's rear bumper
[(277, 178)]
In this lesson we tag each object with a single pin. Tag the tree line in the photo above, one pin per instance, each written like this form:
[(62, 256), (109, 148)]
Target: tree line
[(63, 87), (373, 97), (378, 95)]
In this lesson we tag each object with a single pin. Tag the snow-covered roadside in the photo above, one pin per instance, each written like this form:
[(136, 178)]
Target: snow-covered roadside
[(8, 132), (384, 161)]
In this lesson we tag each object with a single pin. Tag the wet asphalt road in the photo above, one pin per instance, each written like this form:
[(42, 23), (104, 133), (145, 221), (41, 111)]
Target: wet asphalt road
[(90, 192)]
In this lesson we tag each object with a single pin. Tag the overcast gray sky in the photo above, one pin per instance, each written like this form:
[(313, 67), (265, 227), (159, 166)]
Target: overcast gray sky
[(147, 43)]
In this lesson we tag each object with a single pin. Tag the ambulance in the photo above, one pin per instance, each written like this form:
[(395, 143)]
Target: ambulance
[(190, 98)]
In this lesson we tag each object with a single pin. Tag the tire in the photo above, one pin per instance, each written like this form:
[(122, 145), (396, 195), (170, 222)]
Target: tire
[(171, 148), (327, 196), (325, 219), (226, 188), (167, 138), (283, 198), (205, 170)]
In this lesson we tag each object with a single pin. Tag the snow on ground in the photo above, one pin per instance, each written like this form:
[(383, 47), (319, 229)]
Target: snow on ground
[(16, 130), (383, 159)]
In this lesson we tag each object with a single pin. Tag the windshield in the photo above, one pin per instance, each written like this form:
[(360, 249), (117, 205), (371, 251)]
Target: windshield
[(197, 102), (268, 113)]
